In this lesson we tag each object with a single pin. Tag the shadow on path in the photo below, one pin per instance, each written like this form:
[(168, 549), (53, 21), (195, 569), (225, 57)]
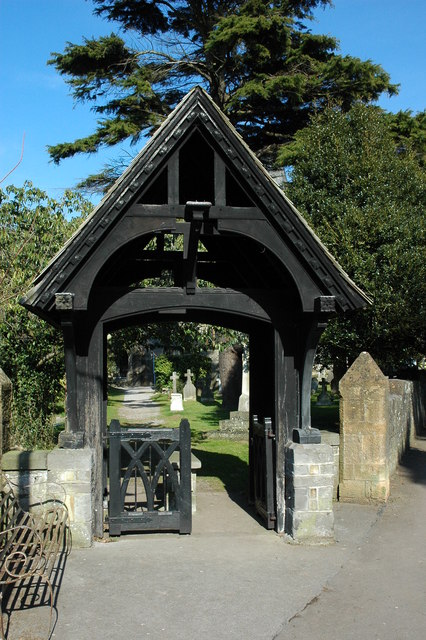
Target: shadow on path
[(413, 462)]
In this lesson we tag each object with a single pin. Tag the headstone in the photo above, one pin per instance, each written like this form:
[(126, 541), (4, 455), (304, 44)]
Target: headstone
[(5, 410), (244, 400), (189, 391), (314, 385), (176, 403), (324, 399), (235, 428), (174, 378)]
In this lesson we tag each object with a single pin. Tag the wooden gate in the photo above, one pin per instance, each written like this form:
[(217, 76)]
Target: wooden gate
[(149, 479), (262, 440)]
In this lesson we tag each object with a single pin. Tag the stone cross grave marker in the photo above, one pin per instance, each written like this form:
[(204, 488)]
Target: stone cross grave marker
[(189, 391), (174, 378), (175, 398), (324, 399)]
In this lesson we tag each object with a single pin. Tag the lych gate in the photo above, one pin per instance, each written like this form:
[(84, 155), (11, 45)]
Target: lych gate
[(268, 276)]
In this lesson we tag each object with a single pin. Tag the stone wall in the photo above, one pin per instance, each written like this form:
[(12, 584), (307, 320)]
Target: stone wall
[(65, 474), (333, 439), (73, 470), (310, 476), (376, 421)]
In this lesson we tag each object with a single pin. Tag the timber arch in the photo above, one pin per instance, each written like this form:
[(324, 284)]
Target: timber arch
[(195, 207)]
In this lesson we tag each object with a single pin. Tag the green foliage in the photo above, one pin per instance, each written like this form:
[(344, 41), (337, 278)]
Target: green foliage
[(32, 228), (184, 344), (365, 197), (409, 131), (163, 371), (257, 59)]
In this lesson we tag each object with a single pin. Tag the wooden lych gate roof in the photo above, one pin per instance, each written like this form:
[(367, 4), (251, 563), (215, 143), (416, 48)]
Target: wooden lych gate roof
[(195, 178)]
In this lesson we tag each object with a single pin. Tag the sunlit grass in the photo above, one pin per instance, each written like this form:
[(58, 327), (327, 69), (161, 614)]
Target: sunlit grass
[(115, 402)]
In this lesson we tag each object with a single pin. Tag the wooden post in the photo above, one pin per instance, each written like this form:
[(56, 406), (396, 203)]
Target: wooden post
[(71, 376), (185, 504), (114, 469)]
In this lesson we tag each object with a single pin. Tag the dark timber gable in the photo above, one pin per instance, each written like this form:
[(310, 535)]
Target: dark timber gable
[(235, 183)]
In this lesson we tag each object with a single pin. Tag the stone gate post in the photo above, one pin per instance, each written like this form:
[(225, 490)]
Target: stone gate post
[(364, 415)]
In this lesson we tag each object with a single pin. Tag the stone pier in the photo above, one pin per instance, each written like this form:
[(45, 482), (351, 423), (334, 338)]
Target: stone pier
[(310, 475)]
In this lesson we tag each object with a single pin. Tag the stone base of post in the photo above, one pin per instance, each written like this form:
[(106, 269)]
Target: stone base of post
[(310, 473), (71, 440)]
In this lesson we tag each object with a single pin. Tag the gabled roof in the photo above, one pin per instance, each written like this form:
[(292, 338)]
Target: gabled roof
[(196, 109)]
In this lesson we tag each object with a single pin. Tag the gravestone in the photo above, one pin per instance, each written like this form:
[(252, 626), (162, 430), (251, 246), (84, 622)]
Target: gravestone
[(175, 398), (244, 400), (324, 399), (5, 410), (189, 391)]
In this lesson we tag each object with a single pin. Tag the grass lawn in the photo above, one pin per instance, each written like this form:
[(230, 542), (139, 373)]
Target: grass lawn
[(115, 400), (224, 463), (325, 417)]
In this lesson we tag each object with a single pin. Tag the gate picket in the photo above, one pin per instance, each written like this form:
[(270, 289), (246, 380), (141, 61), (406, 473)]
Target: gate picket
[(262, 456), (148, 452)]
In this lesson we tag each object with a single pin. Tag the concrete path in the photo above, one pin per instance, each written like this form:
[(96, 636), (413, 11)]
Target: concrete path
[(380, 591), (230, 580)]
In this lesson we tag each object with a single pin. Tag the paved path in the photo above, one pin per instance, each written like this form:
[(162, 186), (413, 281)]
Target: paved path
[(138, 406), (230, 580), (380, 591)]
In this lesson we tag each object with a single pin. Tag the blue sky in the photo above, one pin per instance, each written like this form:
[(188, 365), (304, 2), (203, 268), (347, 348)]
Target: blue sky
[(35, 100)]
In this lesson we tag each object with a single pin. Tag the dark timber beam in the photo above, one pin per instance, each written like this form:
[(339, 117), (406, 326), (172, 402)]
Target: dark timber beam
[(178, 211), (196, 213), (139, 301)]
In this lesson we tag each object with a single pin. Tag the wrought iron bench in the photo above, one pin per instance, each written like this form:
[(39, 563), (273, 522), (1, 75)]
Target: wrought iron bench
[(30, 542)]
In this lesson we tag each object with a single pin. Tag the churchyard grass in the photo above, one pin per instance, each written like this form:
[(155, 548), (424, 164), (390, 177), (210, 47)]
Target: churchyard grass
[(115, 400), (224, 463), (325, 417)]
